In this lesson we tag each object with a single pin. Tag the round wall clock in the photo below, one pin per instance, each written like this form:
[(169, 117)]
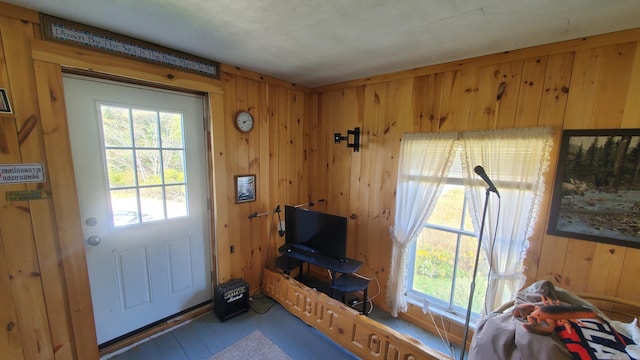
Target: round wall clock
[(244, 121)]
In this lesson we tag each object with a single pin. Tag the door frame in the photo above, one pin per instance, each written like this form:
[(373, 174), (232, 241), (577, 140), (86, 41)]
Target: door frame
[(49, 61)]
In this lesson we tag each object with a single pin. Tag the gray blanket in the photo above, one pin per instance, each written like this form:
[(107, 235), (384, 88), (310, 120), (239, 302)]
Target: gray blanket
[(501, 336)]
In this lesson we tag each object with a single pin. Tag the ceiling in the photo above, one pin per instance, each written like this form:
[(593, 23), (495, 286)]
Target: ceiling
[(319, 42)]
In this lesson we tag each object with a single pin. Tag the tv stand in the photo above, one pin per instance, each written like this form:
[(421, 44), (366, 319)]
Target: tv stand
[(343, 283)]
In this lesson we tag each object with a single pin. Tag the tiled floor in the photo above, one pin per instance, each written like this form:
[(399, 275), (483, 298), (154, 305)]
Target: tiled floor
[(205, 336)]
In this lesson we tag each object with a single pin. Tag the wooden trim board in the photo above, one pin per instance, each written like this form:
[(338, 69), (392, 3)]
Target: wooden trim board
[(357, 333)]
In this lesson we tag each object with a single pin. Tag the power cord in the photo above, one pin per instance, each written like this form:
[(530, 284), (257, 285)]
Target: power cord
[(280, 229), (368, 277), (263, 299)]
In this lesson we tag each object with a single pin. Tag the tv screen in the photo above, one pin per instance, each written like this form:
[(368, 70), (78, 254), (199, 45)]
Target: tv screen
[(326, 233)]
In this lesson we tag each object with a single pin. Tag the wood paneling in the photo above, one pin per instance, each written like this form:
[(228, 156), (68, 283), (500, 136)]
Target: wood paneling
[(10, 342), (581, 85), (23, 225), (46, 308)]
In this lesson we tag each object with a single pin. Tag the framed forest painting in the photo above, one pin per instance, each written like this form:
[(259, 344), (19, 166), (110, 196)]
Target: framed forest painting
[(596, 194)]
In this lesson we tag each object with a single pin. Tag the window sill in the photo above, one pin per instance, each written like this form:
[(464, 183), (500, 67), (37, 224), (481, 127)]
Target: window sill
[(435, 309)]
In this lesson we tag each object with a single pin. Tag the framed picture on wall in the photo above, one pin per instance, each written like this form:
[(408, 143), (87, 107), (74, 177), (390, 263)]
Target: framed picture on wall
[(596, 194), (5, 105), (245, 188)]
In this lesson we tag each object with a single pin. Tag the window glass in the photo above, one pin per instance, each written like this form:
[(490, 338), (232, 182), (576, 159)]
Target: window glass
[(445, 250), (145, 158)]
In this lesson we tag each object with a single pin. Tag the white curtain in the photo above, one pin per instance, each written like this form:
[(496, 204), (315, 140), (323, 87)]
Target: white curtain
[(515, 160), (424, 162)]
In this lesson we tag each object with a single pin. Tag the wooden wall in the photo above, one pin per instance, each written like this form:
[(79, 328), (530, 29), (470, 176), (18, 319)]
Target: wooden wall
[(275, 152), (589, 83), (45, 301), (45, 308)]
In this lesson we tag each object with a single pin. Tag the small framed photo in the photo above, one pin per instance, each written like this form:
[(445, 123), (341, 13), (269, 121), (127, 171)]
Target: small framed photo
[(245, 188), (5, 105)]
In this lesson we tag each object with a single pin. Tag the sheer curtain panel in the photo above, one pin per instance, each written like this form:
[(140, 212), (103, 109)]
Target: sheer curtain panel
[(515, 160), (424, 162)]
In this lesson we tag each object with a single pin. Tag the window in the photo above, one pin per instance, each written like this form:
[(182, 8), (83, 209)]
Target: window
[(443, 256), (144, 152), (436, 182)]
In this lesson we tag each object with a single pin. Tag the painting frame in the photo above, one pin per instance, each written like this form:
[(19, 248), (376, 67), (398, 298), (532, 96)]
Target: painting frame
[(596, 194), (5, 105), (245, 188)]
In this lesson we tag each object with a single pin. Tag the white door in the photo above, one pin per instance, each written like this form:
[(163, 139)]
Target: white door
[(140, 168)]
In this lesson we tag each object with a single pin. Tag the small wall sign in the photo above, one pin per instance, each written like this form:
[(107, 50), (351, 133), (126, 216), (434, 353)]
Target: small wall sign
[(71, 33), (22, 173), (28, 195)]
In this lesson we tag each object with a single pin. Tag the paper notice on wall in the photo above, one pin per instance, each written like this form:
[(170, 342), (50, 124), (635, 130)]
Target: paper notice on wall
[(21, 173)]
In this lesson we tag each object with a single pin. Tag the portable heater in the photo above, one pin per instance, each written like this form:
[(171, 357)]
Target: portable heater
[(231, 299)]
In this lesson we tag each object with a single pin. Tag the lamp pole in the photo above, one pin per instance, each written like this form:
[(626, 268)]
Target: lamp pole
[(473, 279)]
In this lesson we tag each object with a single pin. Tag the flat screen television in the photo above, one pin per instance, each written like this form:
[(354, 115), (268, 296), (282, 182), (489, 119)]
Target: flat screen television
[(322, 232)]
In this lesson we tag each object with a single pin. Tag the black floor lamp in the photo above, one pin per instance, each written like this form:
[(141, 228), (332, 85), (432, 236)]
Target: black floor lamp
[(480, 171)]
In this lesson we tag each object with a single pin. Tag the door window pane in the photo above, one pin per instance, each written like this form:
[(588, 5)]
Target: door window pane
[(124, 203), (145, 156), (152, 203), (176, 201), (171, 130), (174, 166), (120, 167), (116, 126), (145, 125), (148, 164)]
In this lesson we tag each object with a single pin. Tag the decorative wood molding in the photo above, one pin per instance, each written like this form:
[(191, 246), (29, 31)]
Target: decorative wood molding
[(99, 64), (357, 333)]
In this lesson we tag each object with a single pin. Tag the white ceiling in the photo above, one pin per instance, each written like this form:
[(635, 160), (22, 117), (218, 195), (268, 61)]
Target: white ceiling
[(319, 42)]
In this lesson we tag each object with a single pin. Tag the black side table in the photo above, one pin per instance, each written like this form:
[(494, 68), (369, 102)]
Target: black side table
[(347, 283), (287, 263)]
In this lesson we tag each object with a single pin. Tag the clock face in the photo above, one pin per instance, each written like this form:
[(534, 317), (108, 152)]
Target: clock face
[(244, 121)]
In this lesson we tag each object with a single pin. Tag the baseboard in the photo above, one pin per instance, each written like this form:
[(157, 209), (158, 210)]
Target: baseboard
[(155, 330)]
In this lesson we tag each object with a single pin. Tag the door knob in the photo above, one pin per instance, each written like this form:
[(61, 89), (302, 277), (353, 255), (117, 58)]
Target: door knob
[(93, 240)]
